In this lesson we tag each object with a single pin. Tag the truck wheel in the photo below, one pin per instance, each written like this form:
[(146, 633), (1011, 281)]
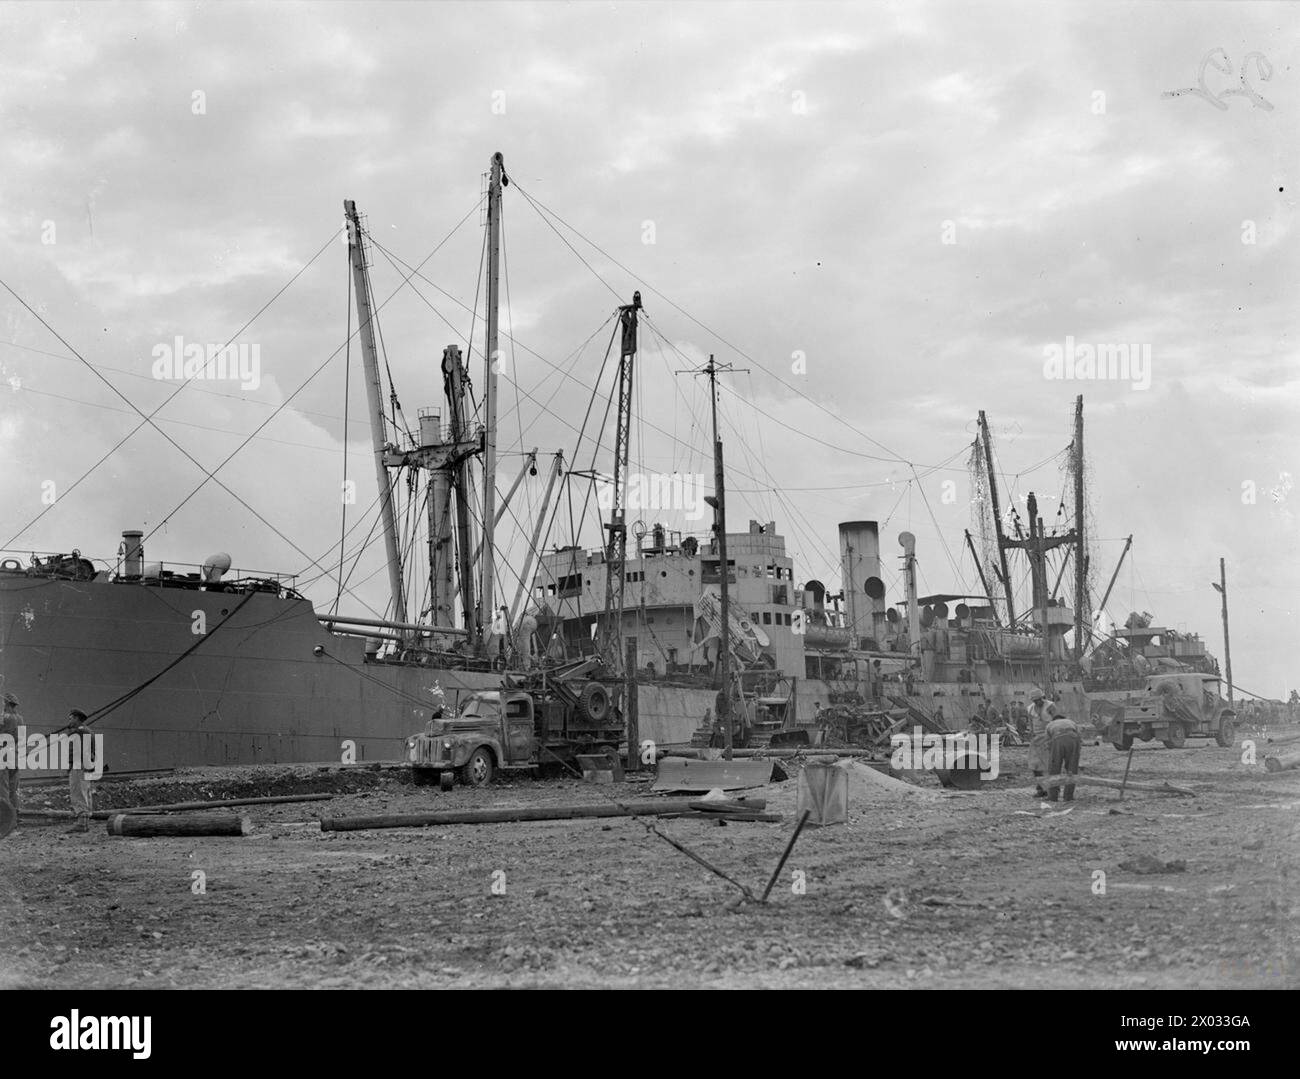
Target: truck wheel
[(1177, 737), (446, 780), (1124, 744), (593, 702), (1226, 735), (477, 771)]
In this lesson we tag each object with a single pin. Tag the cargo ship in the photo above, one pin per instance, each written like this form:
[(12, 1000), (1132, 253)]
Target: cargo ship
[(198, 663)]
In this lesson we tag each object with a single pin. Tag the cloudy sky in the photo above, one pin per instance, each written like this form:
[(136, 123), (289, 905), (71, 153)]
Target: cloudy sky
[(890, 215)]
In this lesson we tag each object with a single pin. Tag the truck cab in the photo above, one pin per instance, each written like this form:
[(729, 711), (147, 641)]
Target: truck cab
[(494, 729), (515, 728)]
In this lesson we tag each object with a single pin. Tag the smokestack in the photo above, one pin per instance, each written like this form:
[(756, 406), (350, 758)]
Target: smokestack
[(864, 591), (132, 553)]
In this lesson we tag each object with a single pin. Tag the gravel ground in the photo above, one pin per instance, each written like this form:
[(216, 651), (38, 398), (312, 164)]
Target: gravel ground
[(919, 888)]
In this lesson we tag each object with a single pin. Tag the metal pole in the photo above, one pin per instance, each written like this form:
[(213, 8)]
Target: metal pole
[(516, 608), (997, 516), (375, 399), (1227, 651), (724, 635), (631, 716), (1080, 558), (492, 364), (983, 581)]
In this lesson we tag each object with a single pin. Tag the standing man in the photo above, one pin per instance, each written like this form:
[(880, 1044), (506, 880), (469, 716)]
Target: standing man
[(78, 784), (1041, 713), (1066, 744), (10, 721)]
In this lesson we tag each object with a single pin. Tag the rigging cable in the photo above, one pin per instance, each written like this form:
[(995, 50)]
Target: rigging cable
[(149, 418), (279, 408)]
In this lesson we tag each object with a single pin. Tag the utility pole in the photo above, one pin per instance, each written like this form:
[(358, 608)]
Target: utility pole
[(1080, 559), (496, 182), (375, 399), (718, 500), (1222, 589), (720, 524)]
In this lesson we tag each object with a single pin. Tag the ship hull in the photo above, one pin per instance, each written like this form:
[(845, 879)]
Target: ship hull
[(254, 690)]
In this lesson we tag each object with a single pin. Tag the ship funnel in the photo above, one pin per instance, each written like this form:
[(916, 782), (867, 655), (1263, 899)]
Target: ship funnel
[(215, 567), (132, 553), (864, 591)]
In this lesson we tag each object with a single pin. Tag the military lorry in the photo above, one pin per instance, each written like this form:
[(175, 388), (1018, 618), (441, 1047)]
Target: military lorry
[(530, 722), (1171, 708)]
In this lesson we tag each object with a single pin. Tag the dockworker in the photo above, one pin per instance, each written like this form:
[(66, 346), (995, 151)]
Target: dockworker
[(1041, 713), (1066, 744), (10, 721), (78, 784)]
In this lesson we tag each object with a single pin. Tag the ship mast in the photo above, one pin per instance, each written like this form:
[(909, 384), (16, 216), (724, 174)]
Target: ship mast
[(491, 359), (616, 548), (1080, 558), (997, 517), (375, 399)]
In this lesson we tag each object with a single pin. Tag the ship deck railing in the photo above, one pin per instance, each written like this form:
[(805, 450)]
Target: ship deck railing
[(180, 572)]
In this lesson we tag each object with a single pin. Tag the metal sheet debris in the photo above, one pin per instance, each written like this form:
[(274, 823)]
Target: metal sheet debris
[(683, 774)]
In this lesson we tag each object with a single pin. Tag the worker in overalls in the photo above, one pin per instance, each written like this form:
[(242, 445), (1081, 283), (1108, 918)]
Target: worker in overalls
[(1041, 713), (78, 784), (1066, 743)]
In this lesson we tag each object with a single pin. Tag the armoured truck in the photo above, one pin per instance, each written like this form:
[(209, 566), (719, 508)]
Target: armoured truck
[(1171, 708), (529, 723)]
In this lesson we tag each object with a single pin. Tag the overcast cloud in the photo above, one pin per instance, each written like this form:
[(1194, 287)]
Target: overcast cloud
[(167, 168)]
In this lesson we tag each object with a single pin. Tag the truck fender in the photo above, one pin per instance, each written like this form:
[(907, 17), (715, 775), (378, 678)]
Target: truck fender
[(465, 750)]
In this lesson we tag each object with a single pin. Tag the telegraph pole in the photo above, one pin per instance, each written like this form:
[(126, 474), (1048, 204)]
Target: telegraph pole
[(1222, 589), (718, 500)]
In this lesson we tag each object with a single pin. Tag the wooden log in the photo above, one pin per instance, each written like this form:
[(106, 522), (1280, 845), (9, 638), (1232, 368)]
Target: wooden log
[(132, 824), (1282, 762), (180, 807), (781, 754), (1097, 781), (509, 815), (216, 803), (731, 805), (695, 814), (1283, 739)]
